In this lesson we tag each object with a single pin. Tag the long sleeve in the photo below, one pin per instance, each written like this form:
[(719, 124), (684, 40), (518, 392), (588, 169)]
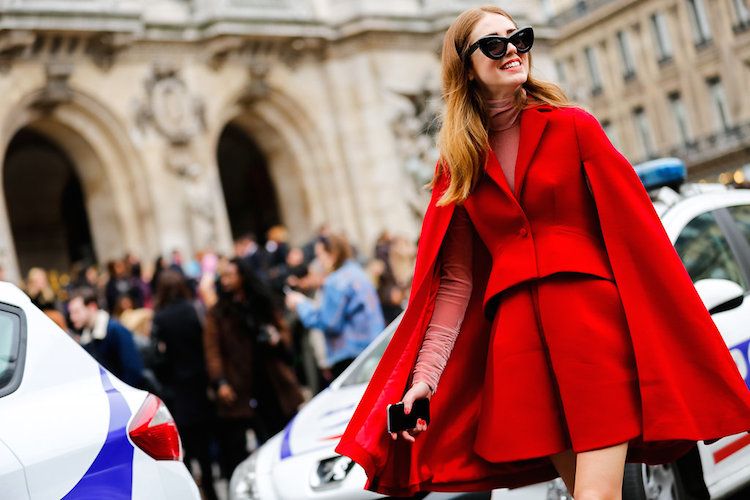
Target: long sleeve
[(450, 303), (212, 351), (329, 314)]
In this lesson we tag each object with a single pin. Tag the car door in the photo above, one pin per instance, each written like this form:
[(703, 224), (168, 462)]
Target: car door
[(707, 246), (12, 350)]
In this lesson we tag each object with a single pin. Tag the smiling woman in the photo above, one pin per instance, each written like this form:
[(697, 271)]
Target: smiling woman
[(539, 239)]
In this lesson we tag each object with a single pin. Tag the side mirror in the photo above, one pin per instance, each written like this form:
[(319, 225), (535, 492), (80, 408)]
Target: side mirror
[(719, 294)]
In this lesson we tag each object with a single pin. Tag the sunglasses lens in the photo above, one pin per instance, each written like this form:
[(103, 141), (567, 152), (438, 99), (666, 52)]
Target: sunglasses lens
[(523, 40), (494, 47)]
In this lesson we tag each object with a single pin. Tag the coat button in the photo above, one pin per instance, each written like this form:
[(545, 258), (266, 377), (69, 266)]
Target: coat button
[(523, 232)]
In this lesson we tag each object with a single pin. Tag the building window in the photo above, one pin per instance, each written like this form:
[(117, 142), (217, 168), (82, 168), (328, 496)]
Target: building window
[(609, 129), (718, 100), (679, 117), (699, 20), (743, 14), (593, 66), (661, 35), (562, 76), (626, 55), (643, 132), (549, 9)]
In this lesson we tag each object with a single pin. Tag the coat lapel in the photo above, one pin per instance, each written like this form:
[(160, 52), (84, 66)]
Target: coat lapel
[(495, 171), (532, 126)]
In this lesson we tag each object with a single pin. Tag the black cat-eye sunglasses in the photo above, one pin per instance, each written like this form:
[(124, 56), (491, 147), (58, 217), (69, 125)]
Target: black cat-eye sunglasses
[(495, 46)]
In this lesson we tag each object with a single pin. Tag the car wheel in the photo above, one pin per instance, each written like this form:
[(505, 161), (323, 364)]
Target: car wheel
[(652, 482)]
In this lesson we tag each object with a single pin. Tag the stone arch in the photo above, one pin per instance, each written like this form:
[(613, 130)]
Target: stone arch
[(109, 169), (310, 184)]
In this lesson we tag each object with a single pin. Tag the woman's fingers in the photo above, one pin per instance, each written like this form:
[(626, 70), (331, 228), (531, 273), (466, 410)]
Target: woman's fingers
[(411, 434), (407, 436)]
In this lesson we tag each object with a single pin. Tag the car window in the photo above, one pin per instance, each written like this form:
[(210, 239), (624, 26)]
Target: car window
[(9, 332), (362, 372), (741, 215), (705, 251)]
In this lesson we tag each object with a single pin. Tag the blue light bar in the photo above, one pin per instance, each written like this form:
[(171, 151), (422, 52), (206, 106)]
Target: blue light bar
[(662, 172)]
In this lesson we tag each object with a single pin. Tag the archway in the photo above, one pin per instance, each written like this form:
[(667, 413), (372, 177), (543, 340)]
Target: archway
[(249, 192), (45, 204)]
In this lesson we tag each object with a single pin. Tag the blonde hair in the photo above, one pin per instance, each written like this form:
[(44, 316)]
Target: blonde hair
[(463, 139)]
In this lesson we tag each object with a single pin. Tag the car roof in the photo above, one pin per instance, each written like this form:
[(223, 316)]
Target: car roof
[(11, 294), (666, 199)]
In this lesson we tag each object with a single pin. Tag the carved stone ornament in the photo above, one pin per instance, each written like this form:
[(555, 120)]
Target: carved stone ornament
[(175, 113), (12, 45), (414, 122), (181, 162), (257, 88), (104, 47), (196, 194), (56, 91), (415, 126)]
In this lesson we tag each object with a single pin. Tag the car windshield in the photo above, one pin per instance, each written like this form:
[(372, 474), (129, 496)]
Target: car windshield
[(364, 366)]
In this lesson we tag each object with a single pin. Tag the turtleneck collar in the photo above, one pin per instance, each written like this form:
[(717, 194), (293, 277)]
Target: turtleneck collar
[(502, 114)]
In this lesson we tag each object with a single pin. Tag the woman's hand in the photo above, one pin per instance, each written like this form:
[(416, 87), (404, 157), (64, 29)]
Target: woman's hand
[(226, 394), (293, 298), (419, 390)]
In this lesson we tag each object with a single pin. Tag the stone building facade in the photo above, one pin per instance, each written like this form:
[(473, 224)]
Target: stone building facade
[(664, 77), (145, 126)]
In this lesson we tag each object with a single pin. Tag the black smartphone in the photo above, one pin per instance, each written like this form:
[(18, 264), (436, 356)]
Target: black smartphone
[(398, 421)]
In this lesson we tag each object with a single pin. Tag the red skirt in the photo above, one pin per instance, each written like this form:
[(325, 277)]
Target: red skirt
[(560, 371)]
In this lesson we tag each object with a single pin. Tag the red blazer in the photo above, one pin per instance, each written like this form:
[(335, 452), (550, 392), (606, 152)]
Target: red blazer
[(550, 226), (574, 191)]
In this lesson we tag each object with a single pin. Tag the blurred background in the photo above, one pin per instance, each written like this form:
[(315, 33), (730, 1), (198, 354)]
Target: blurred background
[(140, 136), (148, 127)]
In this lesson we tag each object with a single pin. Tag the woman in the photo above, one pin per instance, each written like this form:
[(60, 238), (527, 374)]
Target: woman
[(39, 290), (580, 341), (349, 312), (247, 350), (177, 334)]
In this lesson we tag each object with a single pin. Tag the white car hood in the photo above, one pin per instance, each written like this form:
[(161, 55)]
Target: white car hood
[(321, 422)]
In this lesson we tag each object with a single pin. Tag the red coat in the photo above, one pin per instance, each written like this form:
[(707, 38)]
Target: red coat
[(690, 387)]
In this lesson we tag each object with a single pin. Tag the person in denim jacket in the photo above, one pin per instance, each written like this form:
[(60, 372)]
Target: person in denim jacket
[(348, 310)]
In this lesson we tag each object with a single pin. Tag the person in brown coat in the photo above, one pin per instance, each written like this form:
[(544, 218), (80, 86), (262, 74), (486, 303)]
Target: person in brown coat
[(248, 356)]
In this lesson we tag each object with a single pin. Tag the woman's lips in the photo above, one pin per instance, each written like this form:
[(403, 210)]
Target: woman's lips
[(511, 65)]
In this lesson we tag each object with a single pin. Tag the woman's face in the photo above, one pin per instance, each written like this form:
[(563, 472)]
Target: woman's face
[(497, 79), (230, 278), (326, 258)]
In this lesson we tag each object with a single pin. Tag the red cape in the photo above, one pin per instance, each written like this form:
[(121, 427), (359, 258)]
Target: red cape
[(690, 387)]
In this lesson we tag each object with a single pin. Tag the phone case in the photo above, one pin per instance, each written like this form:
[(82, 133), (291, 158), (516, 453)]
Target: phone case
[(397, 421)]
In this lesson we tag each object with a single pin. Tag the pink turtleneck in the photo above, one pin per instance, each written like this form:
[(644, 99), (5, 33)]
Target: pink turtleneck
[(456, 254), (504, 133)]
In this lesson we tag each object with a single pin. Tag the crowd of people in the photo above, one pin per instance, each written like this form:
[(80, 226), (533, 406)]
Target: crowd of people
[(231, 343)]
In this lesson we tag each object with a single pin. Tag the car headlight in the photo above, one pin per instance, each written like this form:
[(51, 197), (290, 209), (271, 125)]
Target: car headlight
[(243, 485), (331, 471)]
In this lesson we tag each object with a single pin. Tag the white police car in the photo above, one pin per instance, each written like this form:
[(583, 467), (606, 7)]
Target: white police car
[(69, 429), (710, 228)]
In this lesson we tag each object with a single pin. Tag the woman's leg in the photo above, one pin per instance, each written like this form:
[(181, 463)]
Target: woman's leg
[(598, 473), (565, 463)]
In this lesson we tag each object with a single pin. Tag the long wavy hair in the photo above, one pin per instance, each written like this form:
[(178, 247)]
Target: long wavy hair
[(463, 138)]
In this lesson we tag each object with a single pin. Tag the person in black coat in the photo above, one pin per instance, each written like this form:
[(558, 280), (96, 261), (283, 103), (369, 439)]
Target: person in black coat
[(178, 334)]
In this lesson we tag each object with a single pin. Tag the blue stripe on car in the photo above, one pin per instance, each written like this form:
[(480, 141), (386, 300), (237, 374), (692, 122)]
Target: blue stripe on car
[(744, 350), (110, 476), (286, 450)]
